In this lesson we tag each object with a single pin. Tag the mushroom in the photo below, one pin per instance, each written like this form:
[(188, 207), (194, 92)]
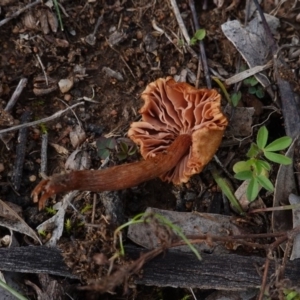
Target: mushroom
[(180, 131)]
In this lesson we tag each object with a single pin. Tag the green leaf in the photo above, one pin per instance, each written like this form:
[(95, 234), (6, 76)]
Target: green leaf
[(121, 156), (262, 137), (227, 189), (235, 98), (193, 41), (265, 183), (247, 81), (278, 158), (253, 151), (252, 90), (241, 166), (253, 81), (279, 144), (245, 175), (103, 153), (200, 34), (132, 150), (260, 93), (123, 147), (252, 190), (263, 164)]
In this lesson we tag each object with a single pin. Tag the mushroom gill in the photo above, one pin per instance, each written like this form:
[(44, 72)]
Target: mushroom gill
[(172, 109)]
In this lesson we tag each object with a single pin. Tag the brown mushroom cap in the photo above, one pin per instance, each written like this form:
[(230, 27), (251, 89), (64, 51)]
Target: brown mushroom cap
[(172, 109)]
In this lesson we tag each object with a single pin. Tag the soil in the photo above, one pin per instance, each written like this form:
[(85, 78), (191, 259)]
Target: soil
[(107, 73)]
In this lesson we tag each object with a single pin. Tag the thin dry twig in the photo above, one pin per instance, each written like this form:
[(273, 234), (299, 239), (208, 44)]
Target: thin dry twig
[(44, 120), (15, 96), (201, 46), (180, 21), (44, 148), (20, 11), (20, 153)]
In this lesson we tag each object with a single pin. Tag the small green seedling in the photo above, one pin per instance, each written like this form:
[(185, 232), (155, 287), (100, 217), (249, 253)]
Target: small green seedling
[(125, 149), (42, 233), (50, 210), (105, 146), (198, 36), (58, 14), (68, 226), (86, 208), (256, 170), (254, 87), (290, 294)]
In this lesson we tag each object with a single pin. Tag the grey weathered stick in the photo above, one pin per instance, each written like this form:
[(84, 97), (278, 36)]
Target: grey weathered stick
[(15, 96), (20, 152), (44, 153), (54, 116), (17, 13), (180, 21)]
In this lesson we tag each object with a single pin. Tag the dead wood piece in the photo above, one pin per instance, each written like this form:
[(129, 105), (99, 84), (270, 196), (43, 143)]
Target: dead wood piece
[(222, 272), (33, 259)]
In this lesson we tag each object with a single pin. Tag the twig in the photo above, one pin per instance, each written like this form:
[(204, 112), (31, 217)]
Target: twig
[(264, 279), (15, 96), (17, 13), (54, 116), (201, 46), (44, 148), (180, 21), (20, 153), (43, 68)]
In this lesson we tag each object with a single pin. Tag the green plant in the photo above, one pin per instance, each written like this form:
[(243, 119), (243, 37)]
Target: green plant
[(50, 210), (256, 170), (198, 36), (43, 128), (291, 295), (254, 87), (104, 146), (125, 149), (235, 98), (58, 15), (6, 287), (42, 233), (86, 208), (68, 226)]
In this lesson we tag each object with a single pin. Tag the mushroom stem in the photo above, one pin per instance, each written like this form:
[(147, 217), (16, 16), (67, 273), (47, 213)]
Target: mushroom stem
[(114, 178)]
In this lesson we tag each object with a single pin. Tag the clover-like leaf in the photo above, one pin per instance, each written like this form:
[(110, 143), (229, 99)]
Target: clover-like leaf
[(253, 151), (260, 93), (252, 90), (245, 175), (265, 183), (279, 144), (278, 158), (235, 98), (252, 190), (263, 164), (241, 166), (262, 137), (200, 34)]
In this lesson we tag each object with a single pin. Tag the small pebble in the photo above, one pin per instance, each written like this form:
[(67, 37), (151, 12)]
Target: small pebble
[(32, 178), (67, 97), (65, 85), (139, 35)]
